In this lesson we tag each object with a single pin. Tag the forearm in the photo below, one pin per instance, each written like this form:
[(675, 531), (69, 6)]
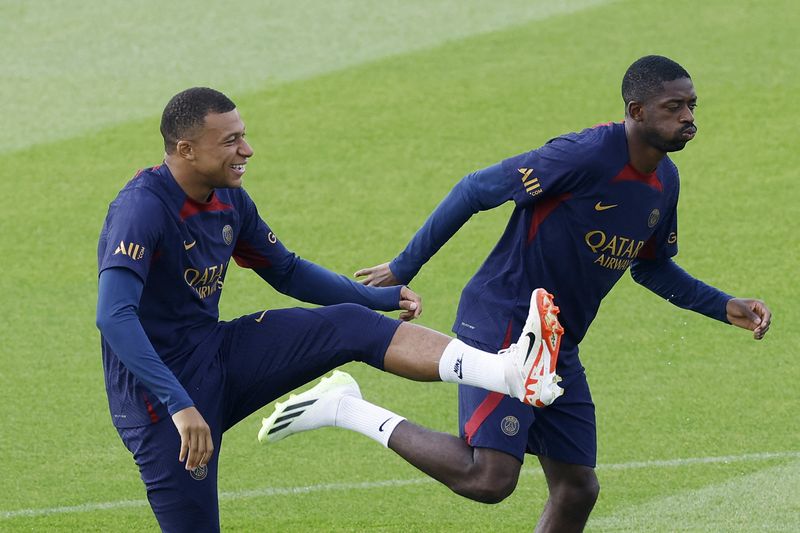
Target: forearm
[(118, 296), (670, 281), (312, 283)]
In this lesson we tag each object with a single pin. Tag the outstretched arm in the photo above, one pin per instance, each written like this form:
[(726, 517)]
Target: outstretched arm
[(479, 191), (665, 278), (312, 283)]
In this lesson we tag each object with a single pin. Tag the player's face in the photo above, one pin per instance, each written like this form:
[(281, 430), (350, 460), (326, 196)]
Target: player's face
[(669, 116), (220, 151)]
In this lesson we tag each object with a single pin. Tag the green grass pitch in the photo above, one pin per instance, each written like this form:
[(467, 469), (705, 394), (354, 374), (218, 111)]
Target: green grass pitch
[(362, 116)]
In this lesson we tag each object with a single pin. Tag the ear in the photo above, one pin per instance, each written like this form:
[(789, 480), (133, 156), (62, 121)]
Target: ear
[(185, 150), (635, 110)]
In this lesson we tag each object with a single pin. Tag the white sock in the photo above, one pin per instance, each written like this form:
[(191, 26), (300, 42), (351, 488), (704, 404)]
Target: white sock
[(461, 363), (368, 419)]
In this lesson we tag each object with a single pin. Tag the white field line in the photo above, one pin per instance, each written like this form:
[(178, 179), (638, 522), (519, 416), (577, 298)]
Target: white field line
[(333, 487)]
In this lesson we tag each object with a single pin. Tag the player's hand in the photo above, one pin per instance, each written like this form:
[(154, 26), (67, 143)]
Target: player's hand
[(411, 303), (378, 276), (196, 444), (749, 314)]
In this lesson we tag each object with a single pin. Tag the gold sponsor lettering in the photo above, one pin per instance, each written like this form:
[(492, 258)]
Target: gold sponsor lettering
[(673, 238), (190, 275), (628, 251), (613, 263), (132, 250), (531, 183), (615, 252), (207, 282), (595, 239), (611, 246)]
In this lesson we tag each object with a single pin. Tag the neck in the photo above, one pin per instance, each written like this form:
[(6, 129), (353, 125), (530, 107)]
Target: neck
[(187, 180), (643, 157)]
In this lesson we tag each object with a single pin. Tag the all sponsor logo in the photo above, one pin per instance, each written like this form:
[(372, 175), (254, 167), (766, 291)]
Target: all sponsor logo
[(530, 182), (132, 250)]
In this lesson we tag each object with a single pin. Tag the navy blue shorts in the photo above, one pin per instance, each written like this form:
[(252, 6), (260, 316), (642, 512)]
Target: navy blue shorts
[(564, 431), (262, 357)]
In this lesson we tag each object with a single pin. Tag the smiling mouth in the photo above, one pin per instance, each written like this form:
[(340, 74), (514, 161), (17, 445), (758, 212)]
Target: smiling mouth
[(239, 169)]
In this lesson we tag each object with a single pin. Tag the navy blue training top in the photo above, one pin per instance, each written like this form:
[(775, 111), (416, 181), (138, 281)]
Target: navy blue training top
[(180, 250), (583, 215)]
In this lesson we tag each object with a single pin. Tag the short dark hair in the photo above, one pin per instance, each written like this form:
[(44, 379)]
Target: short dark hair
[(646, 75), (187, 110)]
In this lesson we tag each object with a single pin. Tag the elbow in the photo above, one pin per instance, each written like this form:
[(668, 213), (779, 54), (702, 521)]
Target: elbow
[(642, 270), (637, 272), (102, 321)]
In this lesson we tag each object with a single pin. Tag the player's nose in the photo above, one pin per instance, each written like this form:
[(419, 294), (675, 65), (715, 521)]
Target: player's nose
[(245, 150)]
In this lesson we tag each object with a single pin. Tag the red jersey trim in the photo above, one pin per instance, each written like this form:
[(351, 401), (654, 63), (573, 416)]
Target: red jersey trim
[(152, 412), (628, 173), (542, 210), (192, 207), (488, 404)]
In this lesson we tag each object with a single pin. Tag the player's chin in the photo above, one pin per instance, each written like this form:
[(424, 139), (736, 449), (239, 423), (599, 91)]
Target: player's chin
[(677, 146), (233, 182)]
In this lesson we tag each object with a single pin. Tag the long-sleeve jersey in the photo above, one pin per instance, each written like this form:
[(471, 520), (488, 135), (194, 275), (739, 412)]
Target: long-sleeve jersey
[(583, 216), (157, 322)]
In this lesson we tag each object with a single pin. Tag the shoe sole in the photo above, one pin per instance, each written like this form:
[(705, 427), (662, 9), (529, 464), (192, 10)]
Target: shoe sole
[(550, 331)]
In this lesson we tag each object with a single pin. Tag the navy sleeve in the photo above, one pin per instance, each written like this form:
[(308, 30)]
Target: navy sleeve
[(559, 166), (314, 284), (552, 169), (119, 292), (665, 278), (479, 191)]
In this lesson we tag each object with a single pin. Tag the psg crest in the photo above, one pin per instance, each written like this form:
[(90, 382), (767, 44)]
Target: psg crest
[(199, 473), (227, 234), (654, 216), (510, 425)]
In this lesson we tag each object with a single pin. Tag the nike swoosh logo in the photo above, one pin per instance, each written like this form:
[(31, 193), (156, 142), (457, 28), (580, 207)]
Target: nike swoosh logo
[(532, 337), (600, 207), (380, 428), (189, 246)]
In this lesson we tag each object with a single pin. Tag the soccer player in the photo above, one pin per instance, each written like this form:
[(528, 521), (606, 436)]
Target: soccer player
[(588, 206), (177, 377)]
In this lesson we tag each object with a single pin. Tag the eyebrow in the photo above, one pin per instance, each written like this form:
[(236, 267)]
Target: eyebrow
[(679, 99), (233, 135)]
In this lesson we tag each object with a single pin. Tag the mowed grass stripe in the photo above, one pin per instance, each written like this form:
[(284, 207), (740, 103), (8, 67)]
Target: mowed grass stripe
[(767, 500), (336, 174), (96, 64), (328, 487)]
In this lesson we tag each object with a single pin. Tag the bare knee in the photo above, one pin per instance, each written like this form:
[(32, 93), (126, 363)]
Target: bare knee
[(576, 488), (491, 478), (581, 494)]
